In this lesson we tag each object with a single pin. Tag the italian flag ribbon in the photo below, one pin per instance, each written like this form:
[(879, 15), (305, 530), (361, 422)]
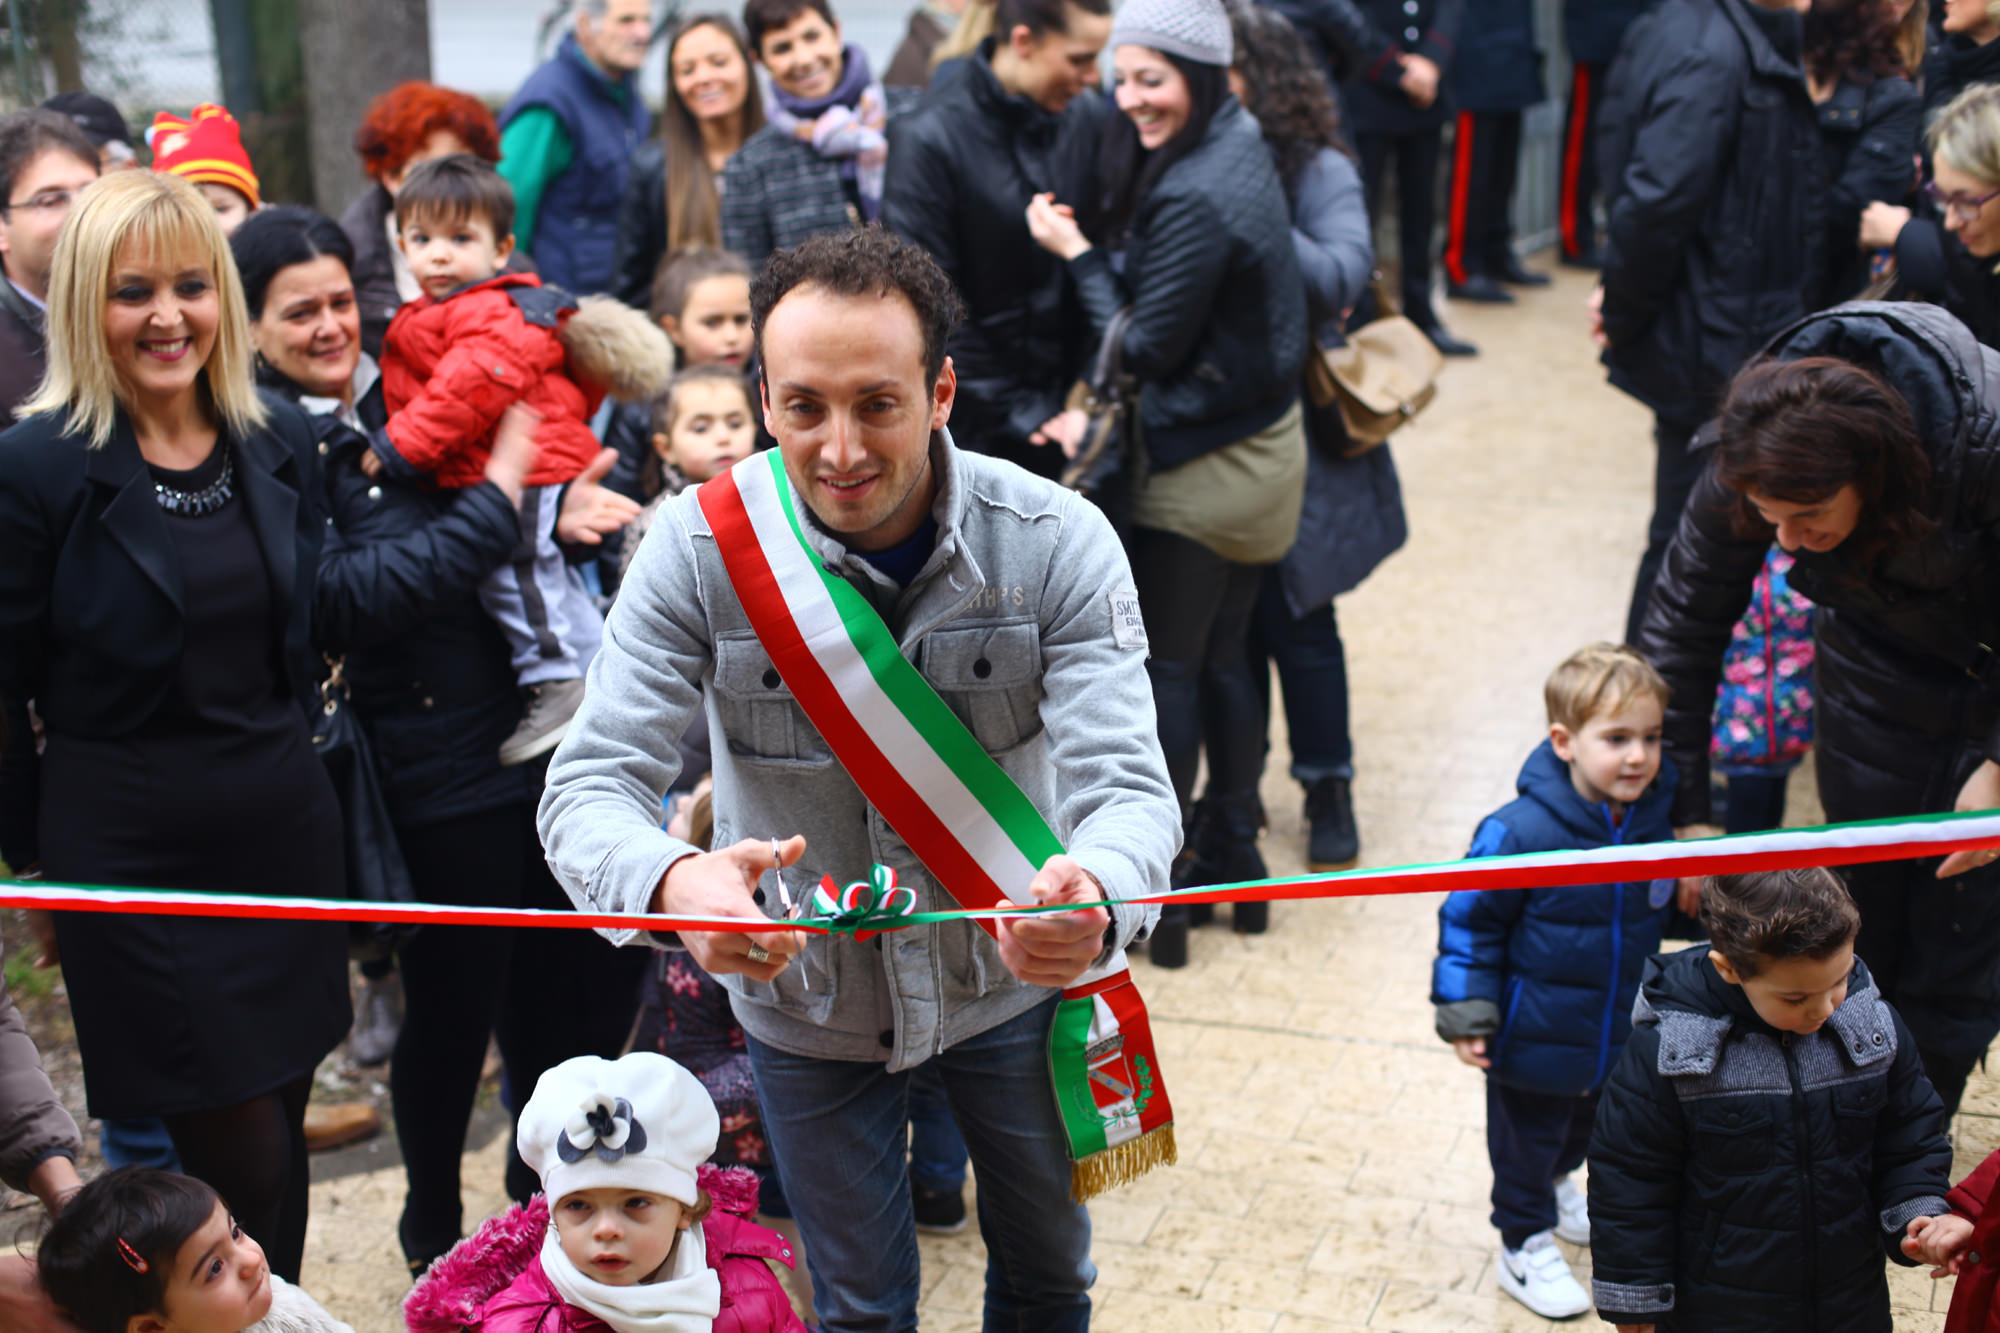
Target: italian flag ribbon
[(975, 831)]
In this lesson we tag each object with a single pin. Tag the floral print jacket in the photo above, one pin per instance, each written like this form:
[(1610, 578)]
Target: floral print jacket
[(1764, 710)]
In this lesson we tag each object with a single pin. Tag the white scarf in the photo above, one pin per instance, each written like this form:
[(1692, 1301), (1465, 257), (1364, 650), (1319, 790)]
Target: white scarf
[(686, 1300)]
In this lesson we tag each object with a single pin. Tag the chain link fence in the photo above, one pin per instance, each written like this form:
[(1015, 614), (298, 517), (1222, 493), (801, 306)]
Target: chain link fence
[(143, 55)]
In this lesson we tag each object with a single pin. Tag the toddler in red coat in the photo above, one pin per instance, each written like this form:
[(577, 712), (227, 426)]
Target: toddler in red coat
[(633, 1233), (1965, 1243), (478, 342)]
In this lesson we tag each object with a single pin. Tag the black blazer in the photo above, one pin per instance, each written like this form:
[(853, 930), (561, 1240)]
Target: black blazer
[(90, 585)]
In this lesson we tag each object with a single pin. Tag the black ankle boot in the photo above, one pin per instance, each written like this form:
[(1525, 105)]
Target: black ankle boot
[(1230, 830), (1333, 843), (1169, 944)]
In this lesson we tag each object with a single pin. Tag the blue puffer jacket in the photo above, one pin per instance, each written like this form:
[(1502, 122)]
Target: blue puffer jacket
[(1550, 974)]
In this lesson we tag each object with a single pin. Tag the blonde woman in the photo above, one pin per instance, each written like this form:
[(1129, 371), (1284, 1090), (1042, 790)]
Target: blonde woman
[(1949, 253), (162, 533)]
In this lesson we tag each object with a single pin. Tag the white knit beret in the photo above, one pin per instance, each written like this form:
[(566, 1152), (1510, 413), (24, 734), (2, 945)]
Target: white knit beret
[(639, 1123), (1196, 30)]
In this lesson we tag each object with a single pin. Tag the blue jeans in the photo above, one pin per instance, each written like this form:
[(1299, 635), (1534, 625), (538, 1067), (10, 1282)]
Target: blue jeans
[(937, 1150), (1312, 669), (138, 1143), (836, 1130), (1533, 1140)]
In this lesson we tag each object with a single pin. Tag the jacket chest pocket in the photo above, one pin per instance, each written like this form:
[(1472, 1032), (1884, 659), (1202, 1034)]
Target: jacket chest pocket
[(991, 678), (761, 722), (1733, 1138), (1856, 1108)]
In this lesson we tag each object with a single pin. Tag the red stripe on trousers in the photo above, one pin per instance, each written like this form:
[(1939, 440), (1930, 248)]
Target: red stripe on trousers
[(1579, 118), (1461, 189), (757, 590)]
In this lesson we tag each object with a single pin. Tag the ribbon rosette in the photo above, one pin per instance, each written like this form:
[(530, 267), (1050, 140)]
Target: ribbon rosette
[(864, 908), (603, 1125)]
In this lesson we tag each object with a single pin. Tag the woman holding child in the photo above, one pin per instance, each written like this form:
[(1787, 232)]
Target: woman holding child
[(1866, 444), (163, 531), (397, 596)]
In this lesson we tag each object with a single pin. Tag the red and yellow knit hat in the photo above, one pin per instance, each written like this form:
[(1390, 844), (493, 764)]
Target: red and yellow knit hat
[(206, 146)]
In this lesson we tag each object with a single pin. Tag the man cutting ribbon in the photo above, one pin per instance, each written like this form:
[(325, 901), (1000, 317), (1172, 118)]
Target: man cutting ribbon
[(914, 657)]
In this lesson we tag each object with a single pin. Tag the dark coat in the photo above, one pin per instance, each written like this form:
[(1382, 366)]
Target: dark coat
[(1593, 30), (576, 224), (1743, 1178), (1337, 34), (1217, 336), (1955, 64), (778, 190), (1900, 721), (1373, 93), (374, 271), (23, 350), (1352, 518), (90, 591), (1933, 265), (1549, 974), (1974, 1308), (397, 595), (642, 227), (1715, 198), (1499, 65), (1870, 133), (962, 168)]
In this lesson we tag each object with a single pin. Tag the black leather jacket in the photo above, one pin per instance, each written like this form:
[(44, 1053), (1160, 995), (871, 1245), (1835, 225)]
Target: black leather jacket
[(962, 169), (1715, 197), (642, 226), (1217, 337)]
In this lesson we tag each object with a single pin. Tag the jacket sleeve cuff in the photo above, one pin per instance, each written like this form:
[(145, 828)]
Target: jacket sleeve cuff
[(1120, 880), (393, 462), (1467, 1018), (1623, 1298), (1920, 257), (615, 888), (1897, 1219)]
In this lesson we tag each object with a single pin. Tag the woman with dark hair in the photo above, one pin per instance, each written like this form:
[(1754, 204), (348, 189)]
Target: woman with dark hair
[(673, 200), (1353, 514), (1866, 444), (1870, 122), (404, 127), (1216, 335), (397, 599)]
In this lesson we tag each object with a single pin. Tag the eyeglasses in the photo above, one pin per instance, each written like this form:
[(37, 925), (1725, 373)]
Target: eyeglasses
[(51, 203), (1965, 206)]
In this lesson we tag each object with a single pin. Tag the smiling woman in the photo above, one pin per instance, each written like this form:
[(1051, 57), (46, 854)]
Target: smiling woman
[(156, 608)]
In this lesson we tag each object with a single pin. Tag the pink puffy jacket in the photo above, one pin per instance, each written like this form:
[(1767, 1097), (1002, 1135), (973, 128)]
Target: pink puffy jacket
[(493, 1282)]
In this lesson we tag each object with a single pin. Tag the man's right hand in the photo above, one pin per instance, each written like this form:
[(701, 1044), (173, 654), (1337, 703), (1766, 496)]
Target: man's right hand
[(724, 884)]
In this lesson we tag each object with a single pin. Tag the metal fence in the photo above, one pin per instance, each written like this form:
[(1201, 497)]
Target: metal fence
[(144, 55)]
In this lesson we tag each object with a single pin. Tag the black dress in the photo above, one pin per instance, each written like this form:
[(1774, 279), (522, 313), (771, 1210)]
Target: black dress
[(218, 791)]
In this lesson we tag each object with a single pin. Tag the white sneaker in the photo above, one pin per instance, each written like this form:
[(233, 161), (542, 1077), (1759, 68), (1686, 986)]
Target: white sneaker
[(1538, 1277), (1572, 1213)]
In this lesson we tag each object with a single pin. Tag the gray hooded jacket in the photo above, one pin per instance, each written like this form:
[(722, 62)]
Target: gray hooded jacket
[(1020, 619)]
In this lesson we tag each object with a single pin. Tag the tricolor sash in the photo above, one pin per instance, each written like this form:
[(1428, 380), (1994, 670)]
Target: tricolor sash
[(974, 829)]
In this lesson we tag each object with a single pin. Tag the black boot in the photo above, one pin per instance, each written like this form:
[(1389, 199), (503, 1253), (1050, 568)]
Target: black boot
[(1199, 862), (1509, 269), (1332, 842), (1480, 289), (1169, 944), (1233, 822)]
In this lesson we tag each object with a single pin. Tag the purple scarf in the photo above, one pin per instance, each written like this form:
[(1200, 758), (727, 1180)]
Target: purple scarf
[(846, 124)]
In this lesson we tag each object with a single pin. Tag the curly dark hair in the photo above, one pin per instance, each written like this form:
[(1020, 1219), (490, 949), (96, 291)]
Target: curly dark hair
[(863, 261), (1284, 90), (1859, 37), (1777, 914)]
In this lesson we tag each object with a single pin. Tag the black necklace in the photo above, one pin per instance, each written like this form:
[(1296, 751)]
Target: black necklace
[(201, 503)]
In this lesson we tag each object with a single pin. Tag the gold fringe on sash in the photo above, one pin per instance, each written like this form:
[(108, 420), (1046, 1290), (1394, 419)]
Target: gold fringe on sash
[(1123, 1164)]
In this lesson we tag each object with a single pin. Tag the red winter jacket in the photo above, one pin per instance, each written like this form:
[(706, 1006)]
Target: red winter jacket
[(494, 1283), (451, 366), (1972, 1298)]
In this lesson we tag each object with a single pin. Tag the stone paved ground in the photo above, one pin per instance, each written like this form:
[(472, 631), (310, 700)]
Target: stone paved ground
[(1333, 1172)]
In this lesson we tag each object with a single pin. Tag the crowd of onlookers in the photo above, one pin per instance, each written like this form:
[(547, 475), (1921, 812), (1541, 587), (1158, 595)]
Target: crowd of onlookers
[(457, 410)]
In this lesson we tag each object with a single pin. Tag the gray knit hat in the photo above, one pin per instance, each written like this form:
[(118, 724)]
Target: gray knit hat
[(1196, 30)]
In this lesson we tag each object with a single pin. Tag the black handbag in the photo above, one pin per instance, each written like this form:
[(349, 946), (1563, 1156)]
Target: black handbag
[(376, 871), (1111, 400)]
